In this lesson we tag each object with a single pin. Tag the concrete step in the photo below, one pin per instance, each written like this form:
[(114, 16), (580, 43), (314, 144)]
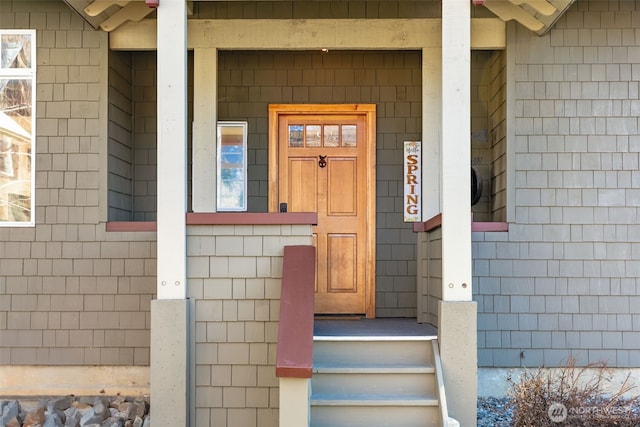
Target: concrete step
[(373, 381), (396, 382), (374, 414), (374, 351)]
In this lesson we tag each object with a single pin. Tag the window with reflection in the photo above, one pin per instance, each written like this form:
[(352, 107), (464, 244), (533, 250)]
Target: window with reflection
[(17, 127), (232, 166)]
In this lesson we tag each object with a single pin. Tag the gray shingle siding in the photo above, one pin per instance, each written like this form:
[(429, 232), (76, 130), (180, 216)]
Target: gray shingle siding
[(564, 281), (71, 294)]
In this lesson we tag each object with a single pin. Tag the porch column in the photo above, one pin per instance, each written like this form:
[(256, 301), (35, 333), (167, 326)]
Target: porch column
[(457, 312), (169, 313), (431, 122), (205, 81)]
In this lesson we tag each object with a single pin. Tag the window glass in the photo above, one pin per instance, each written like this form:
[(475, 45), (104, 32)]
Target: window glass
[(16, 50), (331, 135), (17, 127), (348, 135), (296, 137), (313, 135), (232, 166)]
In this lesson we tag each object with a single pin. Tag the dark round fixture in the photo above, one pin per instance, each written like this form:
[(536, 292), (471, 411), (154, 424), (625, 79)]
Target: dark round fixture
[(476, 187)]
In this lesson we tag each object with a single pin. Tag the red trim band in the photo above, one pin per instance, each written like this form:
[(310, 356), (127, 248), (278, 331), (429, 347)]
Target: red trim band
[(226, 218)]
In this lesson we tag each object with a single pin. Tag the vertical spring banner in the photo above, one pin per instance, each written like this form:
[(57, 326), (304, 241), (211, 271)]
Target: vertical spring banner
[(412, 181)]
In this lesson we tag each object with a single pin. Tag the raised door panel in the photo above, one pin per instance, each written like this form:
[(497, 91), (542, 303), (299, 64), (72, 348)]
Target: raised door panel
[(302, 189), (342, 258), (342, 187)]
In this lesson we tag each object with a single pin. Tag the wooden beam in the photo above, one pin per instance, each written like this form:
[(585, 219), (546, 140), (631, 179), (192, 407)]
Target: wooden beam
[(541, 6), (338, 34), (508, 11), (133, 11), (488, 34), (561, 7), (99, 6), (538, 15)]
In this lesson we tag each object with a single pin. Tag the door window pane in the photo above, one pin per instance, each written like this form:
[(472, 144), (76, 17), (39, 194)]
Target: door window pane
[(296, 137), (313, 136), (348, 135), (331, 135)]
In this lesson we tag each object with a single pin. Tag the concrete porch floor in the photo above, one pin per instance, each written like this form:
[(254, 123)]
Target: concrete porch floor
[(373, 327)]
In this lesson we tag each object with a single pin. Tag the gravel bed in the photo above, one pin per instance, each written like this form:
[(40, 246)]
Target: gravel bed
[(75, 411), (498, 412), (494, 412)]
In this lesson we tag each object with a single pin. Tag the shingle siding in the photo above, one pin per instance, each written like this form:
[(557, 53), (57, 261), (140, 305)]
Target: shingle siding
[(121, 160), (71, 294), (236, 319), (567, 268)]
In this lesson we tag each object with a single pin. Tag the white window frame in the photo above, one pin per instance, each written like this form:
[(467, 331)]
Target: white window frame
[(11, 129)]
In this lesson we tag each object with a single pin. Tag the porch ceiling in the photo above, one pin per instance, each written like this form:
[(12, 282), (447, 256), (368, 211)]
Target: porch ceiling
[(536, 15)]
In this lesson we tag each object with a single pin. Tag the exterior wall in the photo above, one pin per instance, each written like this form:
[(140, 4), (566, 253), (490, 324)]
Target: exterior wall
[(249, 81), (488, 132), (234, 275), (498, 131), (430, 273), (133, 138), (70, 293), (480, 130), (564, 279), (120, 131), (145, 129)]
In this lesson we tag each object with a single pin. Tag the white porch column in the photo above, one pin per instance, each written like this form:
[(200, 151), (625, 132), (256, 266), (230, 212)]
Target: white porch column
[(172, 149), (431, 124), (456, 150), (170, 312), (205, 82), (457, 312)]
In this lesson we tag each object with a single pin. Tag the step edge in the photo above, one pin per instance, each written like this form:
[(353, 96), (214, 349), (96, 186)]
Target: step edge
[(371, 338), (373, 370), (379, 401)]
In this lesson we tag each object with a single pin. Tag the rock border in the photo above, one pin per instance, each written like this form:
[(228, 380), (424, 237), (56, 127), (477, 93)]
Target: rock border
[(76, 411)]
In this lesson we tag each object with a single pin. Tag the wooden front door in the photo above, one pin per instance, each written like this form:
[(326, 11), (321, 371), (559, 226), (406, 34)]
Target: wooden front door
[(323, 160)]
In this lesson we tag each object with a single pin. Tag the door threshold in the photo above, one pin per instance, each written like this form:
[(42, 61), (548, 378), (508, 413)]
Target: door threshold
[(338, 317)]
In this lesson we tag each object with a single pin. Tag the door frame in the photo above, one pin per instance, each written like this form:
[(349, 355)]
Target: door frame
[(369, 112)]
